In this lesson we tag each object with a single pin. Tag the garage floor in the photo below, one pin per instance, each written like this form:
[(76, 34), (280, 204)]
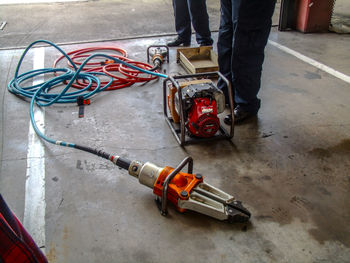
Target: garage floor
[(290, 166)]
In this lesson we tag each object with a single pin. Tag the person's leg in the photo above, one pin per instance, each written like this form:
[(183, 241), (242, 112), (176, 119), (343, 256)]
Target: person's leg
[(182, 20), (250, 39), (228, 23), (200, 21)]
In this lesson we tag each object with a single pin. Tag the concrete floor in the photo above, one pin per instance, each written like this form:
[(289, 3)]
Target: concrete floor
[(290, 166)]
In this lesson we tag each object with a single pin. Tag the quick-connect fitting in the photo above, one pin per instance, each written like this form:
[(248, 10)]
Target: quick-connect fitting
[(147, 173), (134, 168)]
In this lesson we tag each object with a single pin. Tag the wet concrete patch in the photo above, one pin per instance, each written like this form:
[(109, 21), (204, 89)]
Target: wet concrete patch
[(291, 89), (300, 187), (320, 153), (312, 75), (342, 148)]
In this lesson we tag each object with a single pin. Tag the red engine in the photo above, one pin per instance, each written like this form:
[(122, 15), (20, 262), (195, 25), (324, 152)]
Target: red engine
[(202, 118), (201, 104)]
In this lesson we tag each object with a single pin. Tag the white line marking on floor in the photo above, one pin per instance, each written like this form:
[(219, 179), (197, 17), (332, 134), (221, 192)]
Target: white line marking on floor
[(312, 62), (9, 2), (35, 205)]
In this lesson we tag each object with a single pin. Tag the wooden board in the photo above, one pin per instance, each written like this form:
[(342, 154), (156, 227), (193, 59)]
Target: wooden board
[(198, 59)]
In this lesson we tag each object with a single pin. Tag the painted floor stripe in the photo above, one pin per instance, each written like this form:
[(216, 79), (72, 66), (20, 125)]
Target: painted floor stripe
[(35, 205), (9, 2), (312, 62)]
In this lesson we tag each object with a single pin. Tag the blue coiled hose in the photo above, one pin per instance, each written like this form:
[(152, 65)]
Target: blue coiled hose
[(41, 94)]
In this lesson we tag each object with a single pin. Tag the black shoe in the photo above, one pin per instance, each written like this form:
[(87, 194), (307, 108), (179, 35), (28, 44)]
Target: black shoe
[(206, 44), (240, 116), (178, 42)]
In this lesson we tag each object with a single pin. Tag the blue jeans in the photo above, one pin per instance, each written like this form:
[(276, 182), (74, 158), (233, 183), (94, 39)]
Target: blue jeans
[(244, 30), (186, 11)]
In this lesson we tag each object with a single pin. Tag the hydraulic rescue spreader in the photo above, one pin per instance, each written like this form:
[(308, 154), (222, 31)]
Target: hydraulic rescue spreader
[(187, 191)]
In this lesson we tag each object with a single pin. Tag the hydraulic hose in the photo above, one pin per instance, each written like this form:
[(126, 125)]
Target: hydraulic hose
[(42, 95), (123, 80)]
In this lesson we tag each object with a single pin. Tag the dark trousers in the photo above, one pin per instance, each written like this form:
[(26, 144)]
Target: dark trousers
[(244, 30), (186, 11)]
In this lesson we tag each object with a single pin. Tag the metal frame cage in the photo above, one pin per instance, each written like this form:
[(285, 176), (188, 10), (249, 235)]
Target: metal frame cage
[(179, 129)]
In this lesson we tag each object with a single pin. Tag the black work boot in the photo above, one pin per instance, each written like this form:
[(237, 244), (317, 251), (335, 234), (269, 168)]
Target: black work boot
[(240, 116), (178, 42)]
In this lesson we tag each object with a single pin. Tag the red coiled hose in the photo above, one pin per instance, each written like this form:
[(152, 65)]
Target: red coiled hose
[(127, 76)]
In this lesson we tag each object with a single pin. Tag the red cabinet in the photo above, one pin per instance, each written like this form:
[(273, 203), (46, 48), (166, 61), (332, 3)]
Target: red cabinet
[(314, 15)]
